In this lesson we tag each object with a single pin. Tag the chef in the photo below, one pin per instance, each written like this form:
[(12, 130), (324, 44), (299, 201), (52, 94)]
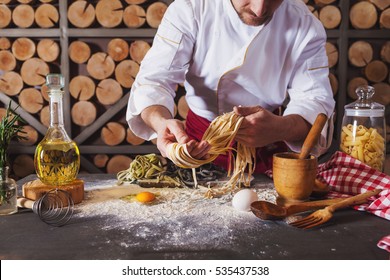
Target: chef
[(249, 56)]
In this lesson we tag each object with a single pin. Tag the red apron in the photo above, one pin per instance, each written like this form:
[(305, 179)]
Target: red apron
[(196, 127)]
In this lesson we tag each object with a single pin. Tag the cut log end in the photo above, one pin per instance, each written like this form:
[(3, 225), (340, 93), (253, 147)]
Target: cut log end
[(109, 13), (138, 50), (376, 71), (384, 19), (82, 88), (125, 73), (46, 16), (155, 13), (5, 16), (118, 49), (79, 52), (34, 71), (330, 16), (113, 134), (81, 14), (360, 53), (5, 43), (118, 163), (7, 61), (23, 16), (23, 48), (31, 100), (100, 66), (109, 91), (133, 139), (363, 15), (381, 4), (134, 16), (48, 50), (83, 113), (11, 83), (100, 160)]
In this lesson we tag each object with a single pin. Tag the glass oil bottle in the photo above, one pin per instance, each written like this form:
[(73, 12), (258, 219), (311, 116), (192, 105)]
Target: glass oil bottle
[(57, 156)]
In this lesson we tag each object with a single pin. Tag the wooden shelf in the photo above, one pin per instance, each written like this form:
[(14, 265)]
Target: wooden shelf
[(109, 33)]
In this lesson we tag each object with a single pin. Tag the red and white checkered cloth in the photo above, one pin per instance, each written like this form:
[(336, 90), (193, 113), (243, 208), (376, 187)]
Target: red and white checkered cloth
[(347, 175)]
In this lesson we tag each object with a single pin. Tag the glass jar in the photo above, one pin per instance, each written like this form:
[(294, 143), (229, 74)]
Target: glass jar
[(8, 193), (363, 131), (57, 156)]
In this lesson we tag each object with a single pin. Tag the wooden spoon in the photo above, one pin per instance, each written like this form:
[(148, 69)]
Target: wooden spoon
[(313, 135), (269, 211)]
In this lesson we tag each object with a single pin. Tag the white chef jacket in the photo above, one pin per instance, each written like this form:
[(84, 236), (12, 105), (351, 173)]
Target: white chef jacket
[(224, 62)]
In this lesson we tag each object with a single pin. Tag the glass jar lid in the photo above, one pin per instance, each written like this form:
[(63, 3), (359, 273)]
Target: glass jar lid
[(365, 106)]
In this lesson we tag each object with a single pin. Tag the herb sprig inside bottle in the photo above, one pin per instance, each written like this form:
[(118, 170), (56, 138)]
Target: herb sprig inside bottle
[(10, 128)]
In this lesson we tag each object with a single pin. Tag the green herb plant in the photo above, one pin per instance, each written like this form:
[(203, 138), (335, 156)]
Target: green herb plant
[(10, 128)]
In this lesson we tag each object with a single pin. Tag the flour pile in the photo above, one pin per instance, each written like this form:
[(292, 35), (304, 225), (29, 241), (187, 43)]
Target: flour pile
[(178, 218)]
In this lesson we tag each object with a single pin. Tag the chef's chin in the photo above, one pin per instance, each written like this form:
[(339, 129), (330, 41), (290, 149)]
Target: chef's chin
[(254, 20)]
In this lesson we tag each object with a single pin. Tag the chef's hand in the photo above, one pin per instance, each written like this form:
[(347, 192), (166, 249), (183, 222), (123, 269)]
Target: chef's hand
[(258, 128), (173, 132), (261, 127)]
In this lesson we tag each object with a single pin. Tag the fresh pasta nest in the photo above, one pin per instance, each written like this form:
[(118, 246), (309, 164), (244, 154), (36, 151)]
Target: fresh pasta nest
[(220, 135), (364, 144), (148, 166)]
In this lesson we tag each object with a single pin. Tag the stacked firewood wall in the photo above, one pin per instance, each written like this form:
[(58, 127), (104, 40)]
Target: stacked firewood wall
[(100, 69)]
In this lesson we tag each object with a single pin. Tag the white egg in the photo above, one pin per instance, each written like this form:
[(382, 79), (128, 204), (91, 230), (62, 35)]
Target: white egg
[(242, 200)]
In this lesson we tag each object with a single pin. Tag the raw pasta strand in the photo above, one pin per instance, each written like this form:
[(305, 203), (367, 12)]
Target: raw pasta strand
[(219, 135)]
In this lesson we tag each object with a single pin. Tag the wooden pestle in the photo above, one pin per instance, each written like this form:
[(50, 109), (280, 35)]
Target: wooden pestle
[(313, 135)]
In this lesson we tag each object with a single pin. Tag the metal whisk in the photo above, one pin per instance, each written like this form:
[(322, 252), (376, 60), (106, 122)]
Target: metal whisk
[(55, 208)]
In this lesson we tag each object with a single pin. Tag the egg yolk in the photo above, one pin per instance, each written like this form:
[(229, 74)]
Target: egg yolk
[(145, 197)]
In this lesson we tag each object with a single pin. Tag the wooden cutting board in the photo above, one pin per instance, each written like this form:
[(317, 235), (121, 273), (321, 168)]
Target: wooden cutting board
[(36, 189)]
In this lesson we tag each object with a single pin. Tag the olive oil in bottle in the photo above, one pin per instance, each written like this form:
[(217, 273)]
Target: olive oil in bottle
[(57, 157)]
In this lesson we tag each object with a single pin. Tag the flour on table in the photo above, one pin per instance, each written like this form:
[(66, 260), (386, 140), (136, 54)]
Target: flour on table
[(178, 218)]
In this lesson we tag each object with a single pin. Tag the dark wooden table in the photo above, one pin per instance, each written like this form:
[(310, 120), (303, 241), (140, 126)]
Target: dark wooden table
[(351, 235)]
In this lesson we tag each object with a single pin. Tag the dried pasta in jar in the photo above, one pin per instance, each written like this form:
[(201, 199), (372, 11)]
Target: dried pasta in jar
[(364, 144)]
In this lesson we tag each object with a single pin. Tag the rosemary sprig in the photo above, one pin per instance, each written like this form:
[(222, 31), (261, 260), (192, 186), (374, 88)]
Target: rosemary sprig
[(10, 128)]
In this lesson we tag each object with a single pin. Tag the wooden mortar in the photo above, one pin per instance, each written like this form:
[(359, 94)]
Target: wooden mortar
[(295, 174), (293, 177)]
